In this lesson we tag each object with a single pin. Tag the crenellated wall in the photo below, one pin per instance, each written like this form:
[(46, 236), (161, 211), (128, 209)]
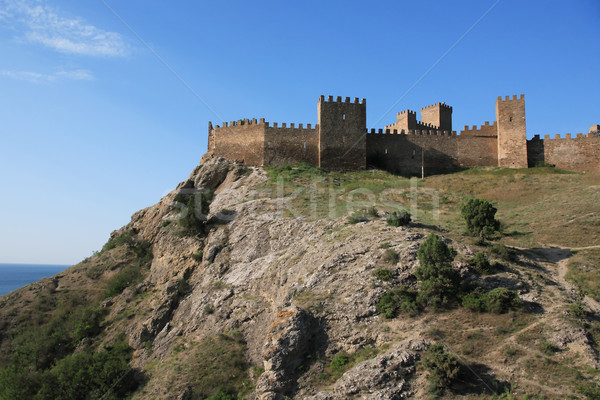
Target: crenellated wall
[(341, 142), (291, 145), (241, 141), (401, 153), (581, 153)]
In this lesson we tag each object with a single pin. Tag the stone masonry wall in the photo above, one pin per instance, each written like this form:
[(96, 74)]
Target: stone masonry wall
[(581, 153), (240, 142), (476, 150), (291, 145), (401, 153)]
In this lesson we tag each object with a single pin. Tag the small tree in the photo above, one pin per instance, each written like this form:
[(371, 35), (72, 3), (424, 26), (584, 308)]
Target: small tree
[(401, 218), (439, 280), (480, 216), (443, 368)]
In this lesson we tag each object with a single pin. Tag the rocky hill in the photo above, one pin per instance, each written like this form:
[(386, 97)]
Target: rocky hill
[(236, 285)]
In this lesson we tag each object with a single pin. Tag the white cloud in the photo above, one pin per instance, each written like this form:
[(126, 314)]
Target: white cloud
[(42, 24), (36, 77)]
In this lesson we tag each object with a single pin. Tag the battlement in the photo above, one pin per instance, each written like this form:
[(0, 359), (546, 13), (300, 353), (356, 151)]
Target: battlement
[(568, 136), (262, 122), (405, 112), (391, 132), (339, 100), (437, 105), (514, 97), (486, 129)]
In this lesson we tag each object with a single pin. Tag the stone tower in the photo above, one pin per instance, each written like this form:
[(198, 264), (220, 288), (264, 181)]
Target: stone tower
[(439, 115), (342, 133), (512, 136)]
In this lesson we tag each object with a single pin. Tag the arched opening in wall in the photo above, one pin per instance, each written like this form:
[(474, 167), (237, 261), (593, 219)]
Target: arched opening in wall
[(304, 144), (510, 119), (343, 117), (414, 153), (385, 151)]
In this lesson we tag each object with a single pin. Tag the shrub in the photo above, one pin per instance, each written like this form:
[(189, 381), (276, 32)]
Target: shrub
[(501, 300), (339, 362), (357, 217), (443, 368), (128, 276), (197, 256), (480, 263), (480, 215), (438, 280), (549, 348), (399, 300), (501, 251), (372, 212), (391, 256), (401, 218), (105, 374), (192, 219), (222, 395), (383, 274), (498, 300), (87, 322)]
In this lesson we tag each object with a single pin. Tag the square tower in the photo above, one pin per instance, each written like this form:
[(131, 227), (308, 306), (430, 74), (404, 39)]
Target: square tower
[(342, 133), (512, 135), (439, 115)]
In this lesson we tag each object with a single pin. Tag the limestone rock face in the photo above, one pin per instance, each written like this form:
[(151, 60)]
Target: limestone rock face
[(292, 291), (286, 347), (383, 377)]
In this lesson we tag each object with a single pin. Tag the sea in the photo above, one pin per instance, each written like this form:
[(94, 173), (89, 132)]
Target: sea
[(14, 276)]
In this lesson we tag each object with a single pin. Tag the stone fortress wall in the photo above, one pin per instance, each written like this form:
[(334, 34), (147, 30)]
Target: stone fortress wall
[(341, 141)]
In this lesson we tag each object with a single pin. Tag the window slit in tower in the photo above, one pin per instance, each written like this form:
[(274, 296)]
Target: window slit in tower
[(304, 144), (343, 117)]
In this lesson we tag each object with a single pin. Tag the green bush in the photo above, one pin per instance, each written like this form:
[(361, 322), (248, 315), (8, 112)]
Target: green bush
[(498, 300), (192, 219), (372, 212), (480, 263), (222, 395), (399, 300), (391, 256), (443, 368), (501, 251), (549, 348), (102, 375), (401, 218), (438, 280), (197, 256), (339, 362), (87, 322), (480, 215), (357, 217), (383, 274), (501, 300), (128, 276)]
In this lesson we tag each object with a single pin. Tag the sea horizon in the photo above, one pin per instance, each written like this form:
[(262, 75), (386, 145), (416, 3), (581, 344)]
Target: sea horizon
[(16, 275)]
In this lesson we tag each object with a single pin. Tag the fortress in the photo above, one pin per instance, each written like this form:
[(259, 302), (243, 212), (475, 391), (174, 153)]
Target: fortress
[(340, 141)]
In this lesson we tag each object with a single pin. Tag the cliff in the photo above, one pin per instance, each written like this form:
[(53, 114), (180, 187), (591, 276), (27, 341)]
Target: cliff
[(220, 289)]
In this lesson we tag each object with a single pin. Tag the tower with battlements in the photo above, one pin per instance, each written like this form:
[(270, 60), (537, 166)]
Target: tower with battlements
[(342, 139), (512, 136)]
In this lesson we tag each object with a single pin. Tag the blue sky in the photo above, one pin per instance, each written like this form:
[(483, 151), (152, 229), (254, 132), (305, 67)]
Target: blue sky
[(105, 104)]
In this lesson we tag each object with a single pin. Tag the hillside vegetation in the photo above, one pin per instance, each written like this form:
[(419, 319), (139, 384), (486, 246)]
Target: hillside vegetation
[(294, 282)]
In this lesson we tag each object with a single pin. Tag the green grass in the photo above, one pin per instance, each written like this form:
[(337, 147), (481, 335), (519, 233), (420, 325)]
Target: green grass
[(583, 271)]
